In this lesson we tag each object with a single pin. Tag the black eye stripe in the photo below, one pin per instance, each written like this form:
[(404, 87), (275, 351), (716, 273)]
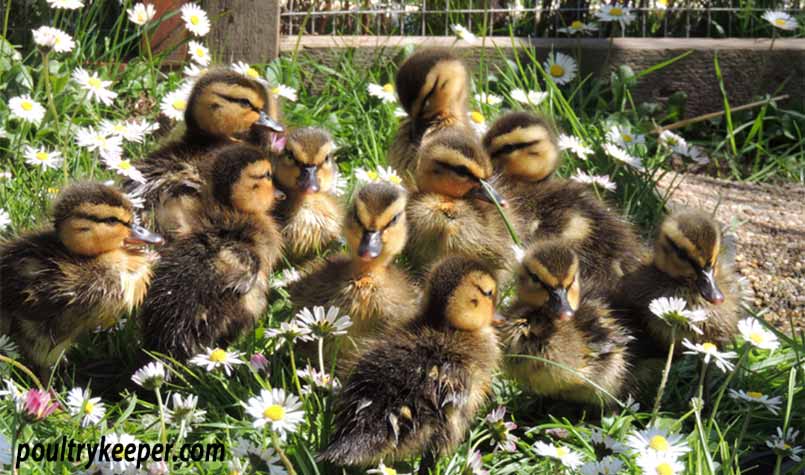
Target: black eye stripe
[(682, 254), (460, 170), (96, 219), (239, 100), (513, 147)]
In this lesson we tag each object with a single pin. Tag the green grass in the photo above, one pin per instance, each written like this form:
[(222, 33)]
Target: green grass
[(760, 145)]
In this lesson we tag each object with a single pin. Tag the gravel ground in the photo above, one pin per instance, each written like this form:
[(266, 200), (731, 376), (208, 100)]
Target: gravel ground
[(770, 225)]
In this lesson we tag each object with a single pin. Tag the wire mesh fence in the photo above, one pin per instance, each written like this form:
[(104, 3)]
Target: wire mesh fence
[(534, 18)]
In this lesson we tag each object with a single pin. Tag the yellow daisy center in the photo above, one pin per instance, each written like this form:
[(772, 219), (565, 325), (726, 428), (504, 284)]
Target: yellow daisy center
[(616, 11), (88, 407), (779, 22), (756, 337), (199, 52), (124, 165), (754, 394), (709, 347), (275, 90), (389, 471), (252, 73), (372, 175), (275, 412), (234, 472), (662, 3), (395, 179), (477, 117), (561, 452), (194, 19), (627, 138), (53, 191), (664, 469), (786, 446), (119, 128), (218, 355), (57, 40), (179, 104), (141, 17), (26, 105), (659, 443), (557, 70), (388, 87), (576, 25), (42, 156), (94, 83)]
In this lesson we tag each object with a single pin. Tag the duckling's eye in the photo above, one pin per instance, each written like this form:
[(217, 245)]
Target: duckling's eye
[(394, 220), (485, 293), (110, 221), (682, 255)]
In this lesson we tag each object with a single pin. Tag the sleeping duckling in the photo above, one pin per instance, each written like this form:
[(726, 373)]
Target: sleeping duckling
[(525, 154), (365, 284), (84, 272), (432, 85), (453, 213), (551, 320), (224, 107), (210, 287), (690, 263), (311, 216), (417, 389)]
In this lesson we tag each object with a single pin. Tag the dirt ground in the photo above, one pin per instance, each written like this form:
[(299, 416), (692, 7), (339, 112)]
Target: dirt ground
[(770, 224)]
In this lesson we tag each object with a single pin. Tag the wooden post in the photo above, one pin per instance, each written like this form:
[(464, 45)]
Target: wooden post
[(244, 30)]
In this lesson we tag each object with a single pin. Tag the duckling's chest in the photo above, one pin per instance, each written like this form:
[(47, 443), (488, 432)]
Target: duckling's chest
[(561, 343), (373, 300), (132, 273)]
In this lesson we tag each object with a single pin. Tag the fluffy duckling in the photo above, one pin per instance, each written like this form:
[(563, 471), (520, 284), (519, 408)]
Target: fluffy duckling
[(365, 283), (525, 153), (210, 286), (224, 107), (552, 320), (417, 389), (690, 262), (85, 271), (432, 85), (311, 216), (453, 212)]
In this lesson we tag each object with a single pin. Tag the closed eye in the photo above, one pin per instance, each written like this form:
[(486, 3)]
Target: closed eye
[(394, 220), (242, 101), (459, 170), (485, 293), (681, 254)]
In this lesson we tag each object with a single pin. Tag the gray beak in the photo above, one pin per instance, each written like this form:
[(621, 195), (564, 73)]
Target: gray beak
[(706, 282), (265, 121), (308, 181), (371, 245), (279, 195), (559, 305), (486, 193), (141, 235)]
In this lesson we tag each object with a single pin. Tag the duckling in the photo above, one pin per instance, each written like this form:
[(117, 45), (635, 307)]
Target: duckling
[(432, 85), (85, 271), (525, 155), (210, 286), (417, 388), (224, 107), (551, 320), (453, 211), (691, 262), (365, 284), (311, 216)]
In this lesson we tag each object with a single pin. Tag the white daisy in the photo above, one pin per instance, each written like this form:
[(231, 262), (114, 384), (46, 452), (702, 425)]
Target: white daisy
[(129, 130), (323, 323), (25, 108), (463, 33), (6, 175), (287, 277), (150, 376), (622, 136), (236, 467), (317, 379), (383, 469), (753, 332), (141, 13), (783, 444), (214, 358), (672, 310), (198, 53), (5, 221), (575, 145), (184, 412), (657, 441), (661, 4), (502, 431), (617, 12), (387, 174), (174, 103), (96, 88), (569, 458), (560, 68), (275, 408), (91, 410), (286, 92), (533, 98), (66, 4), (193, 70), (781, 20), (400, 113), (272, 461), (123, 166), (653, 463), (602, 181), (383, 92), (603, 440), (7, 345), (622, 155), (258, 362), (40, 157), (110, 147), (770, 403), (478, 122), (53, 38), (674, 142), (607, 466), (475, 464), (488, 99), (710, 351), (289, 332), (248, 71), (108, 464), (578, 27), (697, 155), (195, 19)]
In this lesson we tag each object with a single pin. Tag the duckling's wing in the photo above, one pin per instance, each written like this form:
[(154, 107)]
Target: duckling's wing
[(237, 268), (168, 180)]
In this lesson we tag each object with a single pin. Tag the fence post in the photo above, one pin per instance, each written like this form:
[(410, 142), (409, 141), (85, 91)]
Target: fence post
[(244, 30)]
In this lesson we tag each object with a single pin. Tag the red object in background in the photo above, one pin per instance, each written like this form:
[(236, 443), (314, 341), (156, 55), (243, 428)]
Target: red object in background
[(170, 32)]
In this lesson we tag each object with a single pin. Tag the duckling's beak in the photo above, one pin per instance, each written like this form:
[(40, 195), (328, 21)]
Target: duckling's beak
[(559, 305), (485, 192), (279, 195), (498, 319), (371, 245), (308, 181), (140, 235), (265, 121), (706, 282)]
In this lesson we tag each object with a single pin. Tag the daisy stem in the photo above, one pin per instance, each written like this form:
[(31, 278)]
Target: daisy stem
[(744, 428), (52, 107), (23, 368), (778, 465), (701, 381), (163, 436), (703, 438), (664, 380), (724, 387), (148, 52), (321, 356), (293, 369), (285, 461)]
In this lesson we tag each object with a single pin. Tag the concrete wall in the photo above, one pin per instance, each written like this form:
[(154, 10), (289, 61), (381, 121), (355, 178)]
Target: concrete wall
[(750, 68)]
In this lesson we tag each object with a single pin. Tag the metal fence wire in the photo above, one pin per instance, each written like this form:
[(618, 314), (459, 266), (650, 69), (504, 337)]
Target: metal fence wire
[(532, 18)]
